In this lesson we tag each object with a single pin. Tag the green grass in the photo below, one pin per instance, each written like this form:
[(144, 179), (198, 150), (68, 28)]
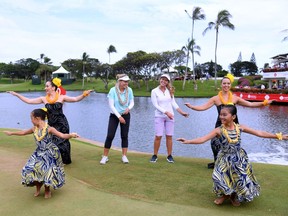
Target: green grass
[(205, 88), (138, 188)]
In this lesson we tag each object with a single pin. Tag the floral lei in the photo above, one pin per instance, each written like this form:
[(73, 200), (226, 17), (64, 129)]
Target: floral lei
[(43, 132), (119, 97), (225, 132), (53, 100), (230, 96)]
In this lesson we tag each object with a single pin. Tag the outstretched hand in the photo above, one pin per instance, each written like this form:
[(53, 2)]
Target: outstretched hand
[(285, 137), (11, 92), (182, 140), (270, 101), (87, 92), (188, 105), (9, 133)]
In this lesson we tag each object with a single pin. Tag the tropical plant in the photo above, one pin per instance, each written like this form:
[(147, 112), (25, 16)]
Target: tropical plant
[(111, 49), (42, 57), (223, 19), (193, 48), (48, 63), (196, 15), (85, 57), (186, 49)]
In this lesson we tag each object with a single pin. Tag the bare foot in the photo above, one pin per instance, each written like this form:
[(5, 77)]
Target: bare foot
[(47, 194), (38, 188), (36, 194), (221, 199), (234, 201)]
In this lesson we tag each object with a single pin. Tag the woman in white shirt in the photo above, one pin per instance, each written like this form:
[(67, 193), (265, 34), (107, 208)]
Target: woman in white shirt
[(163, 99), (121, 101)]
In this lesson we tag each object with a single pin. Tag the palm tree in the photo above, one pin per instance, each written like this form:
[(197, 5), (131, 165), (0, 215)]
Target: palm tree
[(110, 50), (85, 57), (193, 48), (47, 61), (223, 19), (196, 15), (41, 57), (186, 49)]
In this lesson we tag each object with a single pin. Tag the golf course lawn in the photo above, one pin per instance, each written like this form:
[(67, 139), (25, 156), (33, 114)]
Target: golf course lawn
[(137, 188)]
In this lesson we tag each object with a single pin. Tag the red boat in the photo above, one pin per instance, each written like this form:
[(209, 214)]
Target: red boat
[(279, 98), (277, 78)]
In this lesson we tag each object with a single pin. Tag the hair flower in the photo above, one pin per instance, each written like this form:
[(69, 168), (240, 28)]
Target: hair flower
[(44, 109), (57, 82), (230, 77)]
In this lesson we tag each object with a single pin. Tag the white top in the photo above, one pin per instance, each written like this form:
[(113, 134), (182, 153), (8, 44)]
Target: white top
[(163, 102)]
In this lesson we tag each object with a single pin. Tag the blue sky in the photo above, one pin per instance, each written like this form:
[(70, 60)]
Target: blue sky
[(63, 29)]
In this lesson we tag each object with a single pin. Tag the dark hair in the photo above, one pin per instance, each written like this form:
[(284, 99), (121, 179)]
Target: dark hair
[(40, 113), (52, 84), (231, 108)]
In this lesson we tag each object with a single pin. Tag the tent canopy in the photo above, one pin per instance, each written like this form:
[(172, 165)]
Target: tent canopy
[(170, 69), (61, 73), (61, 70)]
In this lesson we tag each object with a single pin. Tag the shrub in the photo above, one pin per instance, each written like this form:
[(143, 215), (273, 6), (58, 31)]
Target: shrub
[(243, 81)]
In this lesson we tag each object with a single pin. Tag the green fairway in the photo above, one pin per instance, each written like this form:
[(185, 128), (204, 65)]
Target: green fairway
[(137, 188), (205, 88)]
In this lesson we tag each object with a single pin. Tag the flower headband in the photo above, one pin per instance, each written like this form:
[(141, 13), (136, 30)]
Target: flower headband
[(230, 77), (56, 81), (44, 109)]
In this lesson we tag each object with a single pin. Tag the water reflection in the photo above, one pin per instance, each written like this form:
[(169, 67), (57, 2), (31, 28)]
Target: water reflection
[(90, 119)]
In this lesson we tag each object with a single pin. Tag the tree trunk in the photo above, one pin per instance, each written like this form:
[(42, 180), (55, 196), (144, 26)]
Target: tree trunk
[(186, 71)]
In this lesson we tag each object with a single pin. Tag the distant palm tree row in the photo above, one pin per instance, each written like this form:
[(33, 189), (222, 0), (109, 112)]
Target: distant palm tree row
[(197, 14), (223, 19)]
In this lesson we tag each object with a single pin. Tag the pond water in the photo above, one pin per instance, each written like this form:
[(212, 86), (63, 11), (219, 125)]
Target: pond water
[(89, 118)]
